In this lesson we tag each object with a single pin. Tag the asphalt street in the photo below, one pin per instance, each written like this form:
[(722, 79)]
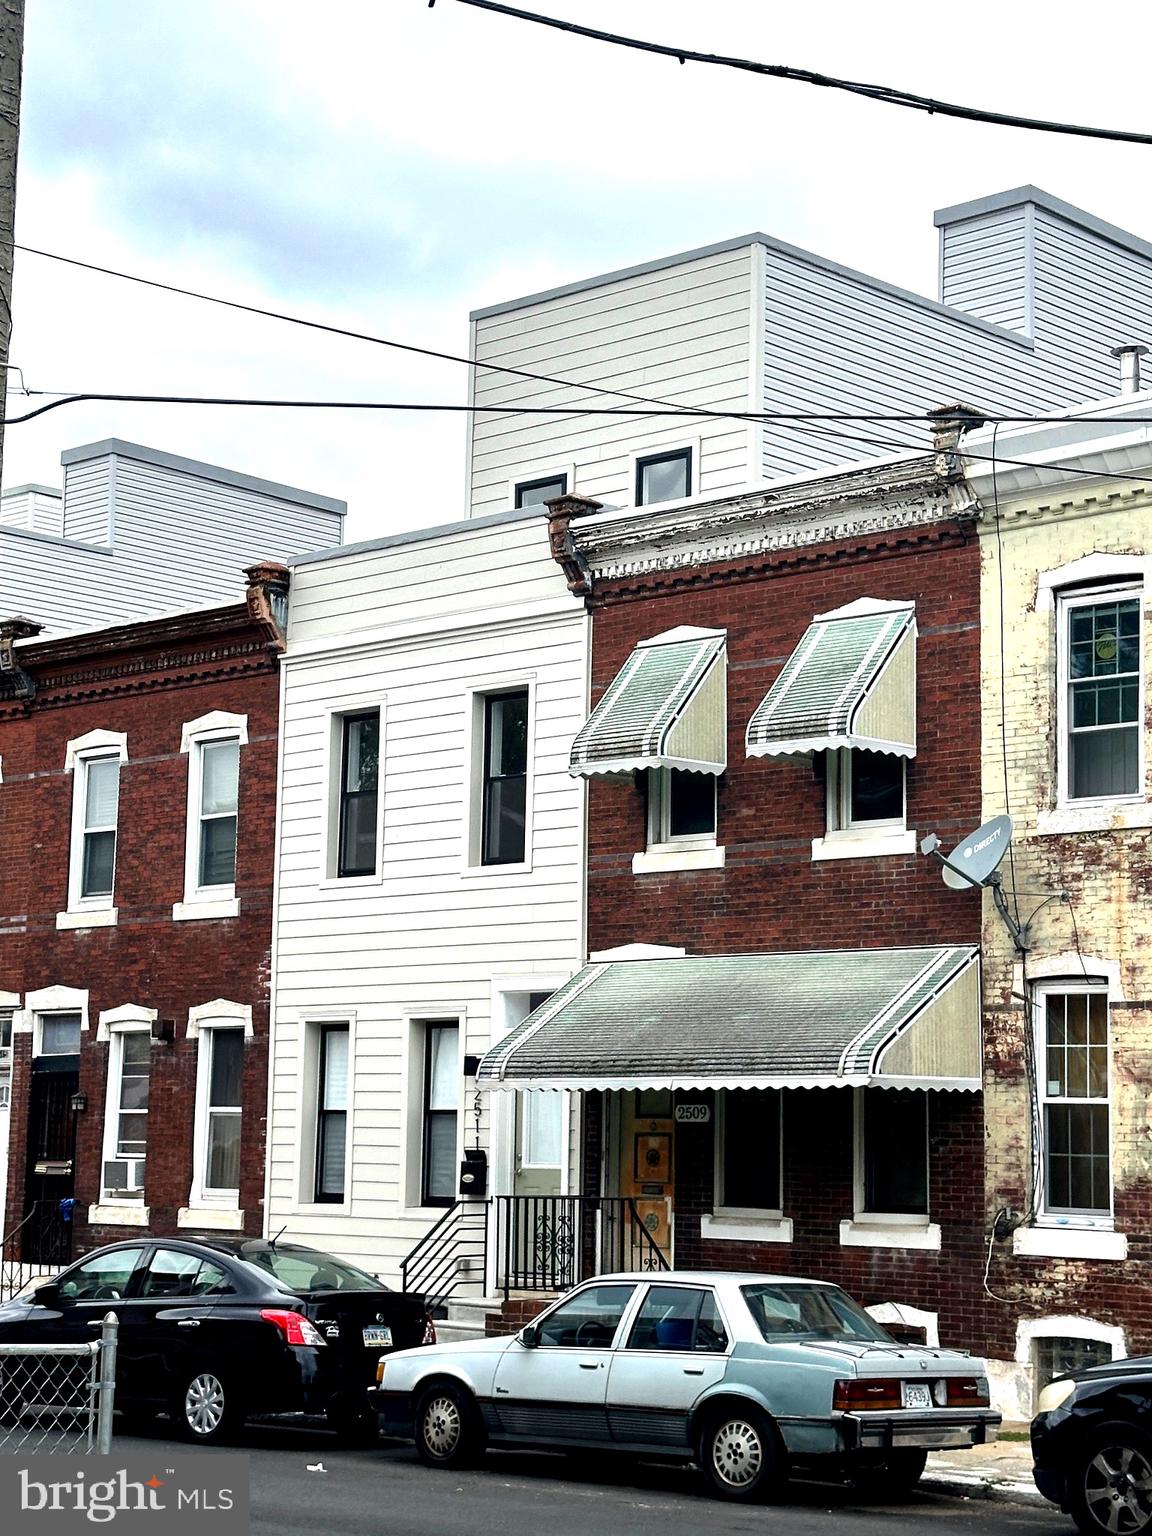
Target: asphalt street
[(386, 1492)]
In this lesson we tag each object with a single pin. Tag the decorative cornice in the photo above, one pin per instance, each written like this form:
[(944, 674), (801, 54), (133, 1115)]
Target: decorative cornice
[(877, 500), (146, 674)]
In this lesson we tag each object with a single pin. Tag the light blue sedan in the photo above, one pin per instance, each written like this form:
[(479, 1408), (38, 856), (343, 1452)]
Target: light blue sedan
[(752, 1376)]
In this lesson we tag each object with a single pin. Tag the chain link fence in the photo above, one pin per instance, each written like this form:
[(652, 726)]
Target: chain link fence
[(57, 1399)]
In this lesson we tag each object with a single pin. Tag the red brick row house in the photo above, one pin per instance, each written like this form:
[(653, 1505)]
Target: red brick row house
[(776, 1041), (137, 816)]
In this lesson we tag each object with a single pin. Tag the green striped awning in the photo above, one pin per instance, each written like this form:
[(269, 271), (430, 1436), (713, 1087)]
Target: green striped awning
[(905, 1018), (665, 708), (851, 682)]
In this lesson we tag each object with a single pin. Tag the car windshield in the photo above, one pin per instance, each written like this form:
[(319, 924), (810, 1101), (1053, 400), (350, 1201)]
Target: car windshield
[(803, 1312), (307, 1269)]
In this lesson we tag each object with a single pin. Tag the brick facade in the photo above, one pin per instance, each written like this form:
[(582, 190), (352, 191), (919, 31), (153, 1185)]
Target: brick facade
[(146, 681), (771, 894)]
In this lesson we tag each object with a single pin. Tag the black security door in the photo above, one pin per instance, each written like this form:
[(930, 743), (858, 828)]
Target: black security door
[(50, 1176)]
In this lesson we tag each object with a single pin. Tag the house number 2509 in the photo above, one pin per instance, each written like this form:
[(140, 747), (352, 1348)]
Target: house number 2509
[(693, 1114)]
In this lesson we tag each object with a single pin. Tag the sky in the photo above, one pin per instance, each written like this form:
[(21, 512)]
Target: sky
[(387, 166)]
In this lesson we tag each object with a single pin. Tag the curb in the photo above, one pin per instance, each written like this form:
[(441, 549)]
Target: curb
[(972, 1485)]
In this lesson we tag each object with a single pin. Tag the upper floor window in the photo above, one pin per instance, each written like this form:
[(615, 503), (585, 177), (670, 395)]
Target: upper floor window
[(663, 476), (532, 493), (1101, 695), (681, 809), (94, 761), (865, 791), (359, 794), (1073, 1065), (213, 745), (503, 838)]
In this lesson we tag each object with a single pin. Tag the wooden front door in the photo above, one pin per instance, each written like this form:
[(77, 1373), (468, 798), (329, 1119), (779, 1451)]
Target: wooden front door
[(647, 1161)]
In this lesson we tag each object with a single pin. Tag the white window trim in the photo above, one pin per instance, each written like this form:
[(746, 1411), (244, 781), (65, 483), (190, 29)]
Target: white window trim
[(114, 1032), (551, 471), (201, 1197), (209, 901), (127, 1016), (660, 840), (658, 451), (50, 1000), (79, 754), (219, 1012), (1065, 602), (471, 866), (1053, 1222), (838, 803), (333, 774), (885, 1312), (311, 1022), (416, 1021), (1031, 1329), (768, 1215), (907, 1227)]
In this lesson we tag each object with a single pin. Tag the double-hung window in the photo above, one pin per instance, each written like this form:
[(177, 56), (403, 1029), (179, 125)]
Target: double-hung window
[(504, 790), (332, 1113), (1072, 1029), (126, 1115), (94, 761), (1101, 695), (359, 787), (220, 1076), (213, 746), (440, 1113), (892, 1154)]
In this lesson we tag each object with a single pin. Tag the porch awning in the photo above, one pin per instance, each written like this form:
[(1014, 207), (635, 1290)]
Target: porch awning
[(851, 682), (828, 1018), (665, 708)]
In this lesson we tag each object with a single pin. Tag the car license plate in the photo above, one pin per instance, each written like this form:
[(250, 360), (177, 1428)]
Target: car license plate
[(917, 1394), (377, 1338)]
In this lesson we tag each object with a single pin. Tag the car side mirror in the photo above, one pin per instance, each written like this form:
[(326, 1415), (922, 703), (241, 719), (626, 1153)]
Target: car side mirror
[(47, 1295), (530, 1335)]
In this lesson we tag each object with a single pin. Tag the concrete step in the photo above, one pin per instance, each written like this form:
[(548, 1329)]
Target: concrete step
[(448, 1332)]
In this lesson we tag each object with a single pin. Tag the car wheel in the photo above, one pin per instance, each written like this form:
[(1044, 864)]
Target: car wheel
[(448, 1428), (206, 1409), (888, 1472), (1110, 1484), (352, 1425), (739, 1455)]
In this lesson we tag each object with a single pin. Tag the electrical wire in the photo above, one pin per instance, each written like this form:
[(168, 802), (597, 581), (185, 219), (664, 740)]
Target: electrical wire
[(891, 95)]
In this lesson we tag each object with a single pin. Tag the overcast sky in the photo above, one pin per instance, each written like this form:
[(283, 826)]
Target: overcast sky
[(385, 166)]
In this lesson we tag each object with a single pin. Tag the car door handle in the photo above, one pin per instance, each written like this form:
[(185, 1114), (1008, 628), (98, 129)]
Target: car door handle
[(693, 1370), (590, 1365), (188, 1322)]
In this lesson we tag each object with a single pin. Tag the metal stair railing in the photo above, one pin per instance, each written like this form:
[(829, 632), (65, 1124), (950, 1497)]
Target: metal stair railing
[(454, 1252)]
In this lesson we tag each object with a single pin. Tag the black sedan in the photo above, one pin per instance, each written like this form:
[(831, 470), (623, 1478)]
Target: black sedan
[(215, 1330), (1092, 1447)]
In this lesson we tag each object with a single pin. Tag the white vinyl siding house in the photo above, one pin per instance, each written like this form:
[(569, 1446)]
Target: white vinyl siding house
[(143, 533), (422, 628), (1033, 294)]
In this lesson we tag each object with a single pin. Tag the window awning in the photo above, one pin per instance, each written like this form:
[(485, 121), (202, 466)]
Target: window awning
[(667, 707), (851, 682), (902, 1018)]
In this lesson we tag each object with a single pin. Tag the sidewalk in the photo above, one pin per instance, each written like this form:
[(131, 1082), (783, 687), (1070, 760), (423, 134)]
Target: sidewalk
[(1001, 1471)]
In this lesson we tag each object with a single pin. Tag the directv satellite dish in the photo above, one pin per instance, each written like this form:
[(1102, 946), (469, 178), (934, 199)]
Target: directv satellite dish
[(979, 854)]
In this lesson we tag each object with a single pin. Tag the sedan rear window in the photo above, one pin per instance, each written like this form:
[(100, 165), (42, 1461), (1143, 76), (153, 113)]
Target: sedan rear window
[(795, 1312), (308, 1269)]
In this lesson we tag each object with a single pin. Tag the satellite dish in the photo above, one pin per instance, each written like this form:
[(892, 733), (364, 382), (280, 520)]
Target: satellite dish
[(979, 854)]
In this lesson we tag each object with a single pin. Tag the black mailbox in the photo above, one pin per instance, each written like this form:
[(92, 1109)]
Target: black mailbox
[(474, 1172)]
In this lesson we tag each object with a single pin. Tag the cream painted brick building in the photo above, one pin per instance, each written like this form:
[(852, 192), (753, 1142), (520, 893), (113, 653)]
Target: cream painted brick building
[(1066, 561)]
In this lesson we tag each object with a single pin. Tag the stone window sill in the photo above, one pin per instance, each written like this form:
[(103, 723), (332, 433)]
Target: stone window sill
[(1069, 1243), (119, 1215), (722, 1228), (862, 845), (890, 1234), (96, 917), (201, 911), (1103, 817), (206, 1218), (665, 860)]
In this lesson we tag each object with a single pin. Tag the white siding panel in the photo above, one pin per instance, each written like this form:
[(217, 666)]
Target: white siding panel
[(88, 500), (983, 267)]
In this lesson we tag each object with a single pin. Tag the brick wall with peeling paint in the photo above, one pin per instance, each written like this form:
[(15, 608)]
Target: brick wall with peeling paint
[(1107, 873)]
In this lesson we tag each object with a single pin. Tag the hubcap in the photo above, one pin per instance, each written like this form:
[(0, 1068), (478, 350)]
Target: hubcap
[(442, 1426), (737, 1453), (1118, 1489), (204, 1404)]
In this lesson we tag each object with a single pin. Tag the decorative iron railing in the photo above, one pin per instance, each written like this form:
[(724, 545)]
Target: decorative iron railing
[(40, 1244), (551, 1242)]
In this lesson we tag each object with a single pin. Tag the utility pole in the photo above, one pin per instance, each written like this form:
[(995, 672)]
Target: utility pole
[(11, 65)]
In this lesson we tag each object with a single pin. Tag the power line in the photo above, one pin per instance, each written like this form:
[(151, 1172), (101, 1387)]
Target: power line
[(891, 95)]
